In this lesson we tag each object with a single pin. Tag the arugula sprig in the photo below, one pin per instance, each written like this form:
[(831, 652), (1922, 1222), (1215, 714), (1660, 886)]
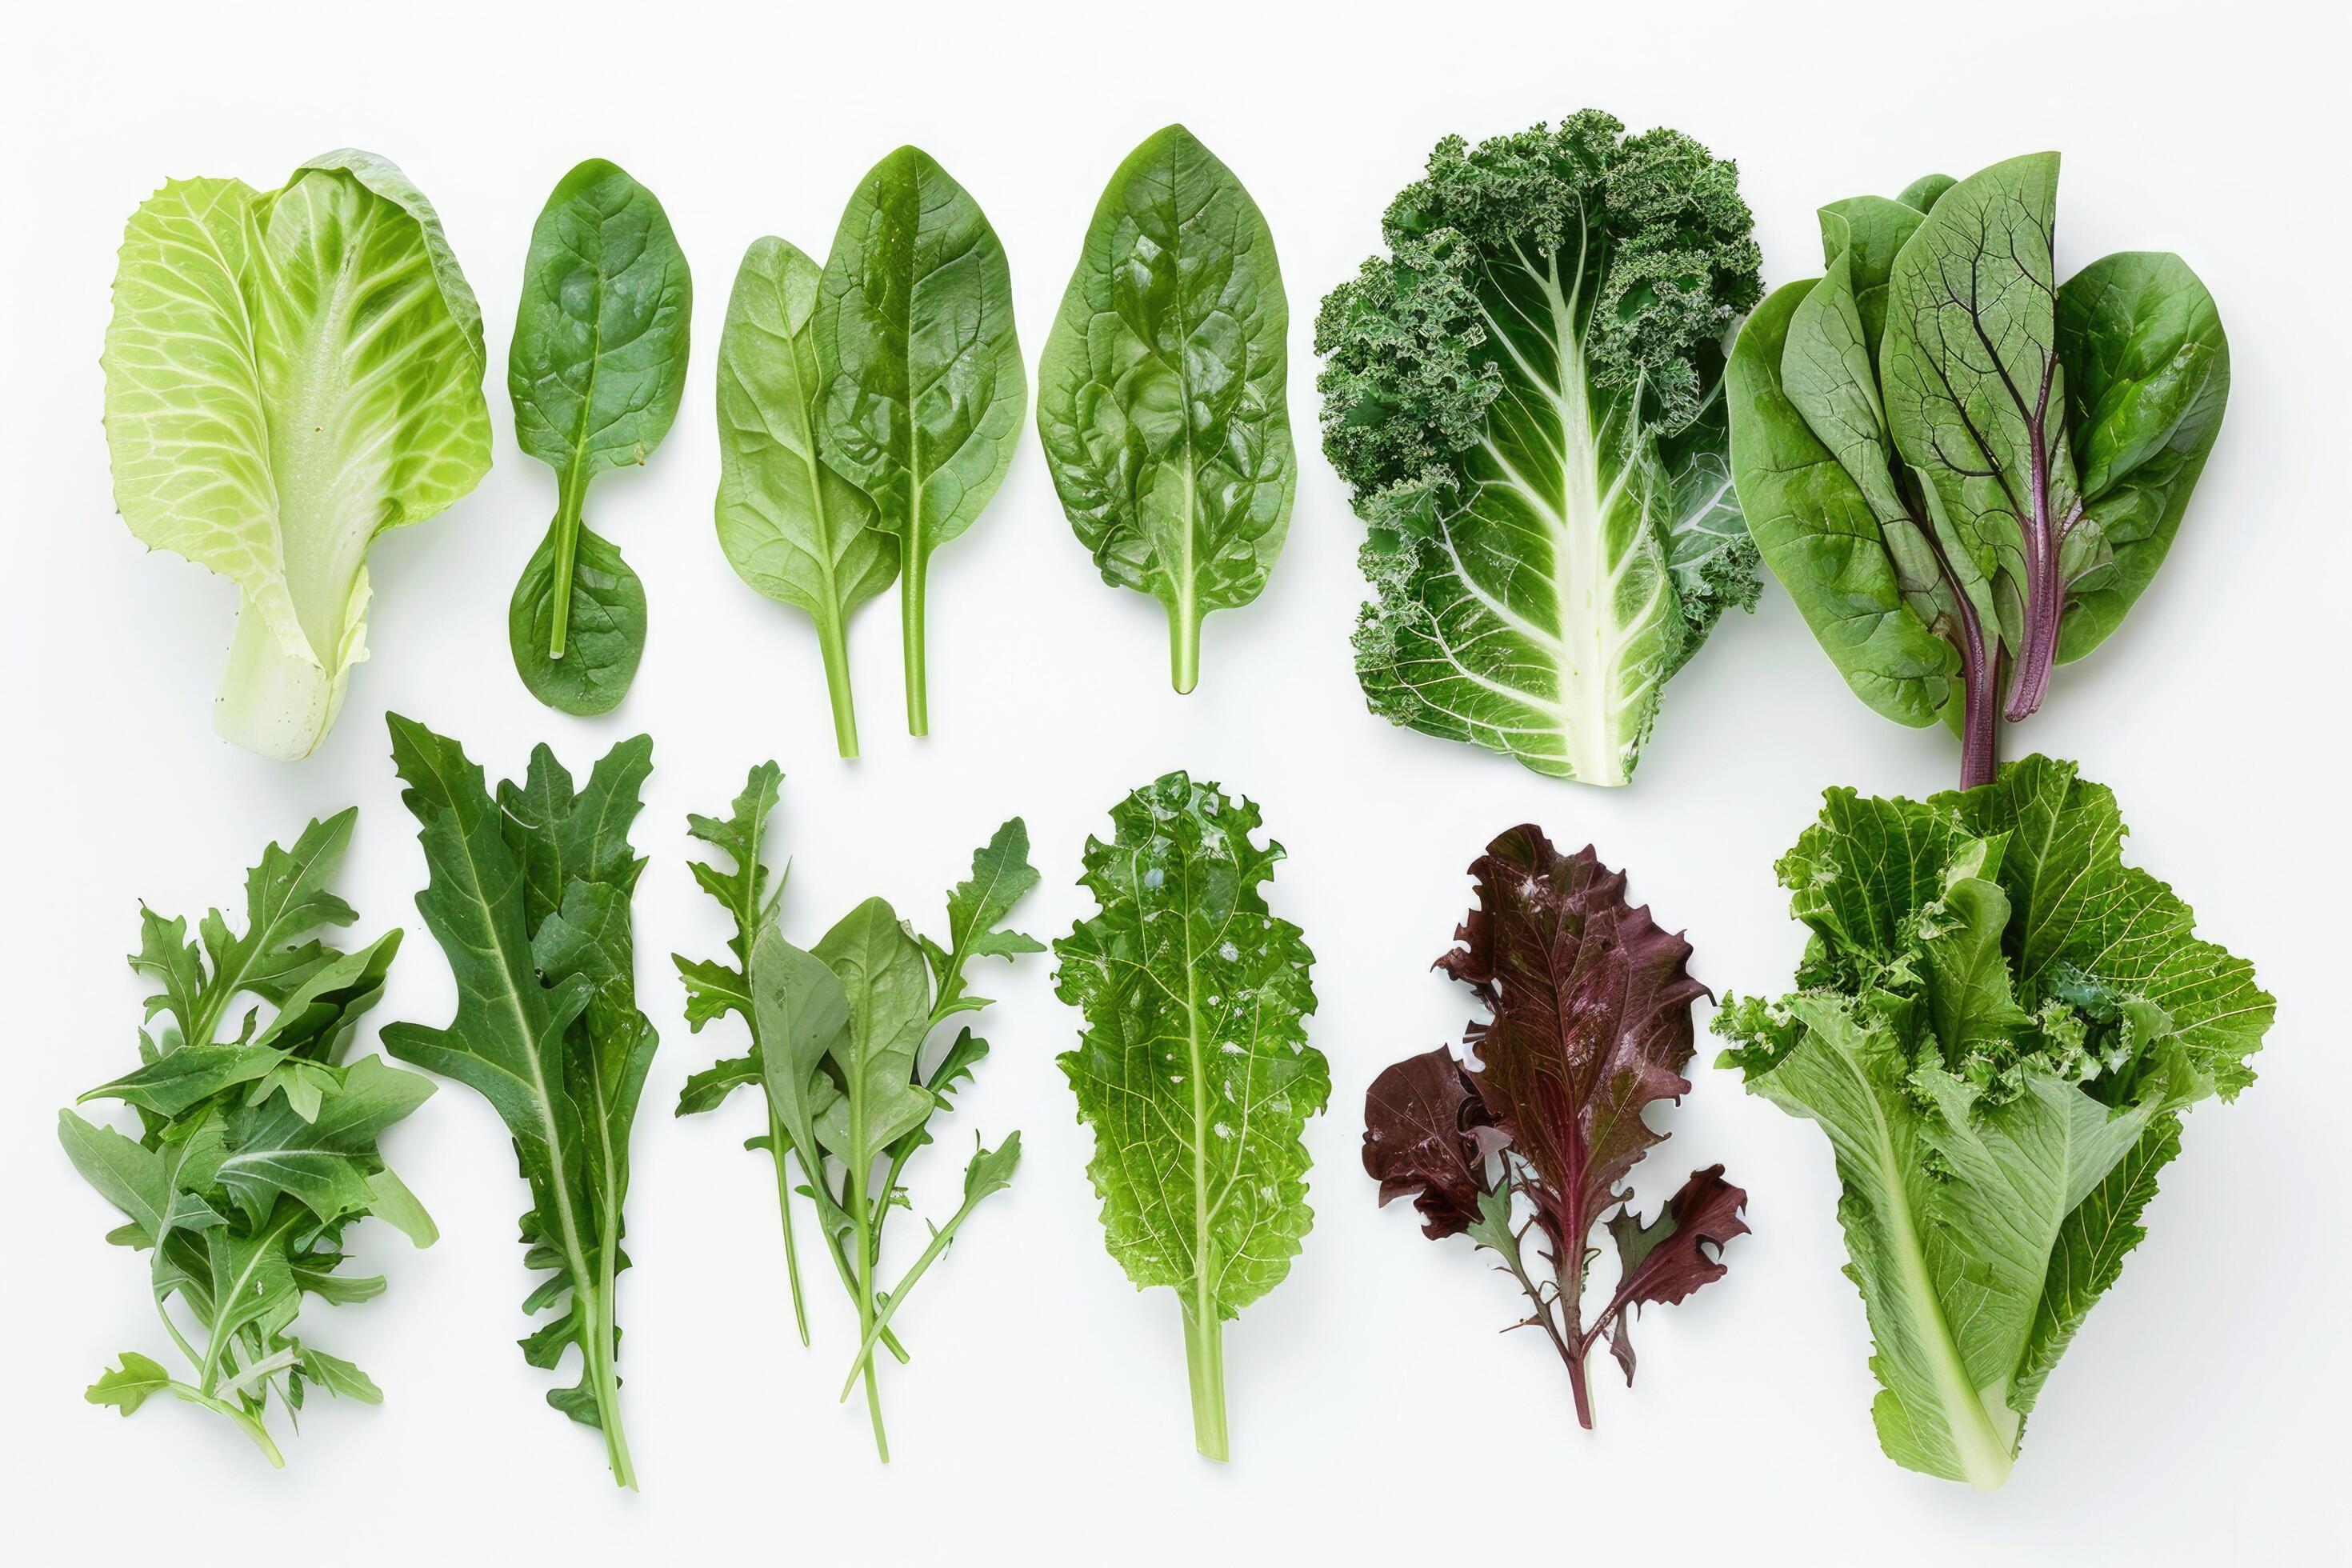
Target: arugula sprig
[(528, 897), (839, 1037), (257, 1149)]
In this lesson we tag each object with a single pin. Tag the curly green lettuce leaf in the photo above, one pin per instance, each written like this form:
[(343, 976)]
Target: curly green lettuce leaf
[(288, 375), (1997, 1026), (1193, 1069), (1162, 399), (1524, 395)]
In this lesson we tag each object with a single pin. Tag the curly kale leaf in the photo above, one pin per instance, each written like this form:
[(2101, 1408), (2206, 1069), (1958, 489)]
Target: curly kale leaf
[(1524, 395)]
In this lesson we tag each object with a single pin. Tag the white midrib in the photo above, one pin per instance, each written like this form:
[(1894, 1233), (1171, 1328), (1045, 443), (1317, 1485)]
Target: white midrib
[(1587, 660)]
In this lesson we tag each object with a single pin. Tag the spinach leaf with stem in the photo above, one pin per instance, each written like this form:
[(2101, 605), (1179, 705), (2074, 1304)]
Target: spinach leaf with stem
[(596, 370), (924, 389), (1194, 1070), (529, 898), (256, 1150), (1162, 396), (792, 527), (839, 1033)]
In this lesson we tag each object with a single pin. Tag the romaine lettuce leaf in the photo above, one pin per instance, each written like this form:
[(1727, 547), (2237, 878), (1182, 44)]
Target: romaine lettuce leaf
[(289, 375)]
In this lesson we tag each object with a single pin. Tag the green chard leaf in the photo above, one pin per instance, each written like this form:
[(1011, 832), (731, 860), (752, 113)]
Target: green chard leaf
[(1163, 398), (596, 370), (529, 898), (1524, 395), (791, 525), (923, 390), (257, 1149), (1997, 1026), (1193, 1069)]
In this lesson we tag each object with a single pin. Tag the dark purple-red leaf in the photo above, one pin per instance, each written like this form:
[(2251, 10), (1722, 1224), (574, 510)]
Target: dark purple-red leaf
[(1418, 1141), (1669, 1258), (1591, 1022)]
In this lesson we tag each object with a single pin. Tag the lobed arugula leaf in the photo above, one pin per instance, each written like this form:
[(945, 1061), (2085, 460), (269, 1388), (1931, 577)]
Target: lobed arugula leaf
[(528, 897), (256, 1150), (1589, 1024), (1998, 1024), (923, 389), (1193, 1069), (1162, 396), (596, 369)]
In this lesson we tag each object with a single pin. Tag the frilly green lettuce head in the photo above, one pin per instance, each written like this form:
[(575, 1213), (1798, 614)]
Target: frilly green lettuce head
[(288, 374)]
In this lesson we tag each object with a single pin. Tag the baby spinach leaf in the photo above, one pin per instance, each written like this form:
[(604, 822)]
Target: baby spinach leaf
[(596, 369), (1162, 397), (528, 897), (792, 527), (923, 386), (256, 1150), (1193, 1069)]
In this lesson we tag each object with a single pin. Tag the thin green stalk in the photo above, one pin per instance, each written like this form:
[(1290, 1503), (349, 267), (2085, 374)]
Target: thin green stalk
[(866, 1299), (1204, 1361), (777, 1144), (567, 552), (603, 1334), (835, 647), (865, 1361), (910, 617), (1183, 648)]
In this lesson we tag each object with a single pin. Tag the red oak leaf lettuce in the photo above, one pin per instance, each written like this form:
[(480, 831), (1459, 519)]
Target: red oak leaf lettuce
[(1589, 1006)]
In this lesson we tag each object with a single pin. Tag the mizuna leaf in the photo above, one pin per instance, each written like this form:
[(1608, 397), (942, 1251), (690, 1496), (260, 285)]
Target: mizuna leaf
[(1193, 1070), (1997, 1026), (596, 369), (1589, 1024), (1524, 396), (1162, 399), (529, 898), (923, 386), (290, 375)]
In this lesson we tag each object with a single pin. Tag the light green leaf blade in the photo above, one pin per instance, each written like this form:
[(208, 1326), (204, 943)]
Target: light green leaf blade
[(888, 988)]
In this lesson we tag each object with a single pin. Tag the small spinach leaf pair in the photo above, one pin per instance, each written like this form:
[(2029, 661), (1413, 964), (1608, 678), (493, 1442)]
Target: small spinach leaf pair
[(596, 371), (868, 408)]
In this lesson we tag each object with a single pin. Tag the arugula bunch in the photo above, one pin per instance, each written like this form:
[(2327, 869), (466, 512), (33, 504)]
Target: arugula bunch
[(1194, 1070), (1589, 1024), (839, 1037), (256, 1146), (1997, 1023), (528, 897)]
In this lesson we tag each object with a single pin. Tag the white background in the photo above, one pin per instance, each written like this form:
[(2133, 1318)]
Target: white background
[(1375, 1409)]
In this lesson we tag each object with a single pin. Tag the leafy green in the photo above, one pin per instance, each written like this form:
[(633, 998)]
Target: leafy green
[(1163, 398), (256, 1148), (1524, 395), (790, 525), (288, 375), (923, 386), (529, 898), (596, 369), (1193, 1070), (1998, 1024), (838, 1037), (1964, 472)]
